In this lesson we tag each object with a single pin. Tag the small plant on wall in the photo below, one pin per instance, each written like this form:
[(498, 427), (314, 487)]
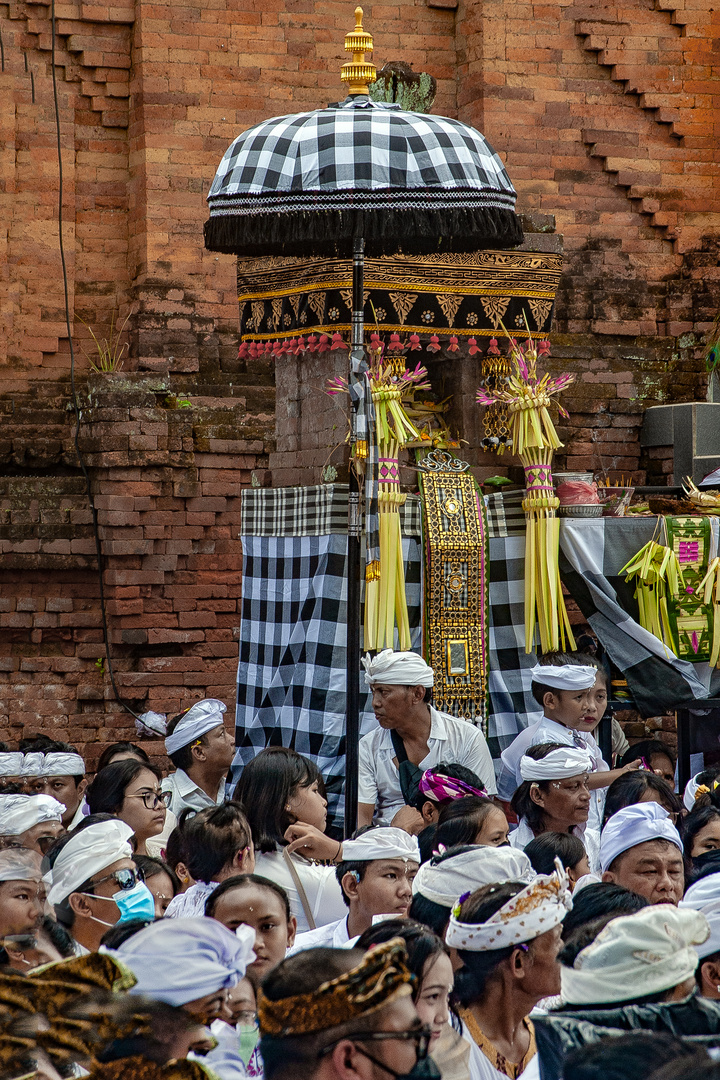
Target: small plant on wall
[(111, 351)]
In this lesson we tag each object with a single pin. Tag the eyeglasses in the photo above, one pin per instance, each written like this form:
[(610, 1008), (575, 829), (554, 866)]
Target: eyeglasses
[(126, 879), (247, 1017), (153, 799), (420, 1036)]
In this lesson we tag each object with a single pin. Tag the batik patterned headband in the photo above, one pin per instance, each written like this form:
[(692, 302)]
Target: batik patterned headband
[(538, 908), (440, 788), (381, 977)]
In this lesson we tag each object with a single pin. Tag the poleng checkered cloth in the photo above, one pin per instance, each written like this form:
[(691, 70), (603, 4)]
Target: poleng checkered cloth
[(309, 511), (291, 672)]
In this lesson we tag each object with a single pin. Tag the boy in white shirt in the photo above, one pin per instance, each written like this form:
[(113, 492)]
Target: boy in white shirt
[(376, 875), (572, 689)]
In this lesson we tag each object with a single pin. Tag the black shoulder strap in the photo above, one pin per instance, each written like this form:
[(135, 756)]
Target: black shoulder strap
[(398, 746), (409, 773)]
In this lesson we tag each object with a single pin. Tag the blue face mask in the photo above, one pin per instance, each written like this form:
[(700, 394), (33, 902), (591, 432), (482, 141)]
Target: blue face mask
[(135, 903)]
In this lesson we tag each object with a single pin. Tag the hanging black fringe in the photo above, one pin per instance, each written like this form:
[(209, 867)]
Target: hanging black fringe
[(386, 232)]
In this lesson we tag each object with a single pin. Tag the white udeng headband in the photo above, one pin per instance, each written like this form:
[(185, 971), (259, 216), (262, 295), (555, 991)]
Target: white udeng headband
[(200, 718), (32, 764), (538, 908), (61, 764), (397, 669), (636, 955), (381, 843), (442, 882), (11, 763), (20, 864), (566, 677), (557, 765), (18, 813)]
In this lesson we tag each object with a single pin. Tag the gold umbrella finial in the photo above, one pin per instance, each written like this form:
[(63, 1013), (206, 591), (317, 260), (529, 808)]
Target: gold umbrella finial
[(359, 71)]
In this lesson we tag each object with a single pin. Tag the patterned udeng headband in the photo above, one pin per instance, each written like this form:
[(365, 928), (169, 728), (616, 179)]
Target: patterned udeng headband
[(382, 977), (539, 907), (439, 788)]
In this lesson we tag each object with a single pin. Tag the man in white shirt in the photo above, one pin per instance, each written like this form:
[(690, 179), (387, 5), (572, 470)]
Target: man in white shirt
[(412, 737), (376, 876), (201, 749)]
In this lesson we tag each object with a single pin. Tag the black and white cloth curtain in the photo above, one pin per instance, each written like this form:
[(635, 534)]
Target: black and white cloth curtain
[(291, 671)]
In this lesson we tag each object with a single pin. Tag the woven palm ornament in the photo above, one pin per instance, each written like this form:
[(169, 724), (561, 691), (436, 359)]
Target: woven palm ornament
[(526, 395)]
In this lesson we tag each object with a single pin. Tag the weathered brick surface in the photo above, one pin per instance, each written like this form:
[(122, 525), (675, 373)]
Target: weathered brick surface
[(605, 118), (169, 531)]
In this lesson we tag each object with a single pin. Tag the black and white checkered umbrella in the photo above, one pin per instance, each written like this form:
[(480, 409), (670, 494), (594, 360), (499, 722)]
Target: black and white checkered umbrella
[(310, 182)]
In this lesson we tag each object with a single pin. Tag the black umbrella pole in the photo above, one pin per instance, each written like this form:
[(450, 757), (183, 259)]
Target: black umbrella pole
[(352, 715)]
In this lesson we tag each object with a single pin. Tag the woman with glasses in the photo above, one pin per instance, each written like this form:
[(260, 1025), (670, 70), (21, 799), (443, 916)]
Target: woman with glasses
[(554, 796), (130, 791)]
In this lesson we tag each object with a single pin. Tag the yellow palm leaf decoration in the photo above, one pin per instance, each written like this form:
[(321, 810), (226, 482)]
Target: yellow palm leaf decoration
[(658, 576), (711, 584), (534, 438), (392, 386)]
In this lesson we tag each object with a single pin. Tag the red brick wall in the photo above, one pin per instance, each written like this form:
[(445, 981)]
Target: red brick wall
[(605, 118)]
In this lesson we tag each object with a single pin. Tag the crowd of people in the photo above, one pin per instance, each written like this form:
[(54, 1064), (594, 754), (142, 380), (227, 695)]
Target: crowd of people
[(549, 916)]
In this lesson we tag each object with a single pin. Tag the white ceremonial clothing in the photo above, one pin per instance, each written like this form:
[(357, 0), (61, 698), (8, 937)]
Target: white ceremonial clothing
[(450, 740), (185, 792), (523, 834), (549, 731), (156, 844), (332, 935), (191, 903), (481, 1068), (79, 815), (323, 892)]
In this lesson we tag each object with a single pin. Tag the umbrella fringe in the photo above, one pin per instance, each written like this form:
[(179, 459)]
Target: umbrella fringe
[(386, 232)]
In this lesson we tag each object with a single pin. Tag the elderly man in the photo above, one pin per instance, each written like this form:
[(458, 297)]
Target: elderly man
[(412, 737), (94, 883), (201, 749), (641, 849), (336, 1014)]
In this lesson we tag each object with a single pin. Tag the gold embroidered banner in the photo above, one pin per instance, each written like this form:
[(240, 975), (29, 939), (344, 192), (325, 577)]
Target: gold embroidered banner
[(464, 295), (455, 622)]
